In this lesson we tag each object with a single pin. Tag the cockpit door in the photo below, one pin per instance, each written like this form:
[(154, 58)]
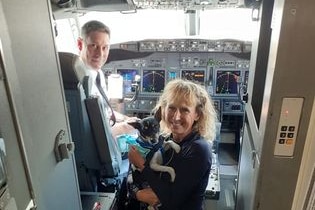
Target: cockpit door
[(32, 111)]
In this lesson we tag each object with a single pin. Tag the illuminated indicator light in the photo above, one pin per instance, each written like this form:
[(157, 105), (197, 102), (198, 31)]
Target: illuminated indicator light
[(286, 112), (289, 141)]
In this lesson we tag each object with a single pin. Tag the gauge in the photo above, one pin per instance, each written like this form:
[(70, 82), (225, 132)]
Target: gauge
[(227, 82), (153, 81)]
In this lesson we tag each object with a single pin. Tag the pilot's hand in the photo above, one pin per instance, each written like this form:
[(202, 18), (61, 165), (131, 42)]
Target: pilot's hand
[(124, 118), (121, 128), (132, 119), (135, 158)]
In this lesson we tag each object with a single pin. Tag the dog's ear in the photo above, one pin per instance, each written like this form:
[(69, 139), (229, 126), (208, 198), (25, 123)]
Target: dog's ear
[(136, 124), (158, 114)]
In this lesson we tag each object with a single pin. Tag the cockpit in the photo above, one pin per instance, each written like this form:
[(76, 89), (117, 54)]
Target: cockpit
[(254, 58), (154, 42)]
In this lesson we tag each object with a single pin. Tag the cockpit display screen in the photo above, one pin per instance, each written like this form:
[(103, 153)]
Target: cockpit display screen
[(128, 77), (194, 75), (153, 81), (227, 82)]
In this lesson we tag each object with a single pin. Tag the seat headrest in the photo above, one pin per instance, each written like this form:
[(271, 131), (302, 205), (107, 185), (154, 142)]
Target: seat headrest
[(72, 70)]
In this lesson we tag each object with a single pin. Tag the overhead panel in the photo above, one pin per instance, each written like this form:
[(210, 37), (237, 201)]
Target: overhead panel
[(121, 5), (67, 8), (187, 4)]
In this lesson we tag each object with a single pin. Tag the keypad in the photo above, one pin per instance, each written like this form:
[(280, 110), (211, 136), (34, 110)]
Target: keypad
[(286, 135)]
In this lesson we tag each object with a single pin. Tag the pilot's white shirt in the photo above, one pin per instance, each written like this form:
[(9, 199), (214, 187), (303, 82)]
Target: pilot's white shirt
[(92, 83), (93, 89)]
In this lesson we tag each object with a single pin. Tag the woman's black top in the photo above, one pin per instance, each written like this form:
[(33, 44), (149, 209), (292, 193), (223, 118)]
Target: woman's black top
[(192, 167)]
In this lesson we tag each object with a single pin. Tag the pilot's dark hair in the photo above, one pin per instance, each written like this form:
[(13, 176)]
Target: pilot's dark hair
[(94, 25)]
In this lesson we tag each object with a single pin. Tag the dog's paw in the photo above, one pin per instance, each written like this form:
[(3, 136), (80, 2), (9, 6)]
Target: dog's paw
[(129, 179), (172, 174), (176, 148)]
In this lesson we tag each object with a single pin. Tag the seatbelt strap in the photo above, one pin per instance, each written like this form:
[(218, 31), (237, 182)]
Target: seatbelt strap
[(98, 84)]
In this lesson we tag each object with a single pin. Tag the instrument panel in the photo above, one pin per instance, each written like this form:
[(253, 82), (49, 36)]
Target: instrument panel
[(223, 72)]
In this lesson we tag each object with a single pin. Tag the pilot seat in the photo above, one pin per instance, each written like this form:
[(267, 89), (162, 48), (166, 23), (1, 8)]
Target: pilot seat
[(98, 158)]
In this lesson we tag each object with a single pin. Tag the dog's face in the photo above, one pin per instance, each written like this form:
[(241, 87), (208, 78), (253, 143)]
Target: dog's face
[(148, 128)]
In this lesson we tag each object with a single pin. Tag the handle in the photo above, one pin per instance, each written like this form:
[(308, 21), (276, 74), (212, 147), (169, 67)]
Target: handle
[(62, 149)]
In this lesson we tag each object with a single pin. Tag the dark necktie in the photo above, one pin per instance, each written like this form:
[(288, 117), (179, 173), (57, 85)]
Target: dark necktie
[(99, 86), (98, 80)]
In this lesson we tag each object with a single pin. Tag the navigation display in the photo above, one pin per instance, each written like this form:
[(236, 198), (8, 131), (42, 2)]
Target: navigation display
[(227, 82), (153, 81)]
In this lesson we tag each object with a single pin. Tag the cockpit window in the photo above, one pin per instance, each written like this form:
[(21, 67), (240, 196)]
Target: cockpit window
[(229, 23)]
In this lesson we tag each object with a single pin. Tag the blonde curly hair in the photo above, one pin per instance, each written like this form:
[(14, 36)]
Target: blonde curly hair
[(192, 94)]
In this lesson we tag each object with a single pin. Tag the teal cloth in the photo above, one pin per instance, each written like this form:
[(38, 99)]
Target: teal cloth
[(124, 141), (143, 151)]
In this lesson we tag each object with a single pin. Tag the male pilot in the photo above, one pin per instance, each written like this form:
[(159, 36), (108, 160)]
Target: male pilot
[(94, 45)]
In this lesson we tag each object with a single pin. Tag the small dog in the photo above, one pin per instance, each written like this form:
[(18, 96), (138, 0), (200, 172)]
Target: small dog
[(149, 135)]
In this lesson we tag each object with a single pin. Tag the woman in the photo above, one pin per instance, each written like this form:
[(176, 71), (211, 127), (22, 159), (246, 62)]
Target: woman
[(188, 116)]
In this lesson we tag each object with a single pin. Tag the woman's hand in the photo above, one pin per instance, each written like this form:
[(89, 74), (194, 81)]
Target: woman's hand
[(135, 158), (147, 196)]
